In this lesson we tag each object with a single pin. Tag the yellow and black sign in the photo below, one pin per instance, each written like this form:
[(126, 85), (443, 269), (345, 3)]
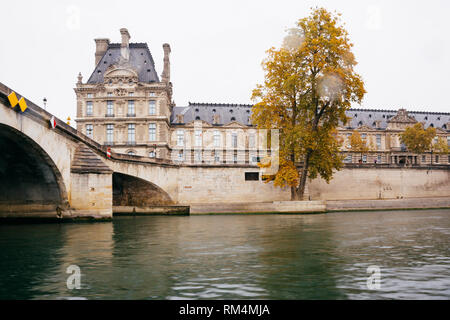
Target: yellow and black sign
[(14, 101)]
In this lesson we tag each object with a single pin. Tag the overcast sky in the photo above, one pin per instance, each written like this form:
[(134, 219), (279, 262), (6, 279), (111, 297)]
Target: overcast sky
[(217, 46)]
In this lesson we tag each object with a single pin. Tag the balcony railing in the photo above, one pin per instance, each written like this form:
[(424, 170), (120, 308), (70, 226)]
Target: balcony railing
[(131, 114), (131, 143), (109, 143), (109, 115)]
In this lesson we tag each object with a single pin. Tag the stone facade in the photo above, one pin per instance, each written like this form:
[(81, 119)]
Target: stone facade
[(125, 105)]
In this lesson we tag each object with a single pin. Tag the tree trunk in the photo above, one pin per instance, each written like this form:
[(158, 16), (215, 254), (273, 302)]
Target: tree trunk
[(300, 190)]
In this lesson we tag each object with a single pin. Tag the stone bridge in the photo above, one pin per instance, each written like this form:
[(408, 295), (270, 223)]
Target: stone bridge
[(60, 172)]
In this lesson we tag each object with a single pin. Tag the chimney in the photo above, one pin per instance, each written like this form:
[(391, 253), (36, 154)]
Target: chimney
[(101, 45), (166, 71), (125, 45)]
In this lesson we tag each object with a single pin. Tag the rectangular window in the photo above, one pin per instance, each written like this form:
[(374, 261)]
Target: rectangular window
[(89, 108), (152, 94), (255, 159), (216, 156), (424, 158), (180, 155), (234, 140), (152, 154), (251, 140), (364, 158), (216, 138), (378, 141), (152, 132), (109, 94), (131, 134), (131, 112), (89, 130), (348, 159), (109, 108), (109, 133), (448, 159), (252, 176), (180, 138), (235, 158), (363, 135), (198, 156), (198, 138), (379, 158), (448, 140), (131, 94), (152, 107), (89, 95), (437, 159)]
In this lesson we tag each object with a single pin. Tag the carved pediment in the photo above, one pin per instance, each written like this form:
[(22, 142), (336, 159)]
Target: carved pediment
[(402, 117), (196, 123), (234, 124), (365, 127), (125, 73)]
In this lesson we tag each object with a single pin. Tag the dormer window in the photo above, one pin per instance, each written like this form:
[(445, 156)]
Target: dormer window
[(197, 118), (233, 119), (356, 115), (196, 110), (231, 110), (214, 110)]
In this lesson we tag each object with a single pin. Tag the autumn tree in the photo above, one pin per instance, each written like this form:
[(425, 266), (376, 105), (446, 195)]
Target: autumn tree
[(417, 139), (309, 84), (441, 146), (358, 144)]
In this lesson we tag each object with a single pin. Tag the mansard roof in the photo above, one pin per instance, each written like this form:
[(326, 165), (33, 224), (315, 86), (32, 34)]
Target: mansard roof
[(359, 117), (226, 113), (369, 117), (140, 58)]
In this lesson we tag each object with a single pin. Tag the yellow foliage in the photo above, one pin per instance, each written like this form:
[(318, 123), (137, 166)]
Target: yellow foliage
[(417, 139), (309, 84)]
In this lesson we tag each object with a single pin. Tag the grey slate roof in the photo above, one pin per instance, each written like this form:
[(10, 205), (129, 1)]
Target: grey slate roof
[(140, 58), (205, 111), (242, 112), (368, 117)]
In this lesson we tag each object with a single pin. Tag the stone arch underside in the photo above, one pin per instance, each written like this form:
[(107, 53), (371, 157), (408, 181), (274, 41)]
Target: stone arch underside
[(29, 179), (133, 191)]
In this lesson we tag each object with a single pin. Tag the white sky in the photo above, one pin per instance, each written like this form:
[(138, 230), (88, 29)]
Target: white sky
[(217, 46)]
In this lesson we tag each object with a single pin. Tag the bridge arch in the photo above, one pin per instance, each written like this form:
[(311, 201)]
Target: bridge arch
[(131, 191), (29, 179)]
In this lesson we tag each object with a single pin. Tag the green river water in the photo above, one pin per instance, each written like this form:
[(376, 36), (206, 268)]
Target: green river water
[(323, 256)]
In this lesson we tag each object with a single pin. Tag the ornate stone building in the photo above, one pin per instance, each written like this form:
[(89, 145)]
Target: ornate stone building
[(126, 105)]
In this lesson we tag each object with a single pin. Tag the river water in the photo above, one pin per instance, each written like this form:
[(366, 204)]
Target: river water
[(322, 256)]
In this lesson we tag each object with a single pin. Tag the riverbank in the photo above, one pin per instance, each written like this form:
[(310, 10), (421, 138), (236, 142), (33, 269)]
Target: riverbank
[(391, 204), (253, 208), (307, 207)]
